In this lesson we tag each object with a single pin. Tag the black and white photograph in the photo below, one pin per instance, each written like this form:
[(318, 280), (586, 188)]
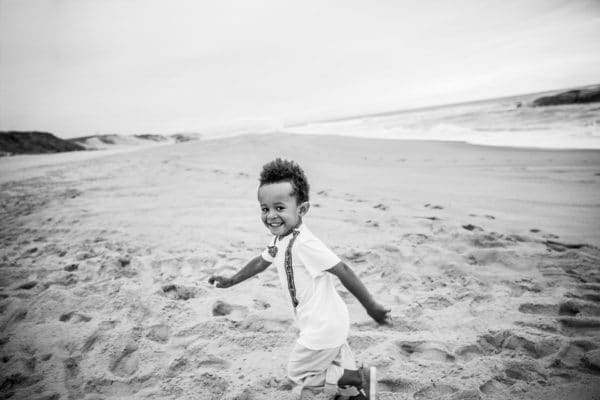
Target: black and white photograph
[(311, 200)]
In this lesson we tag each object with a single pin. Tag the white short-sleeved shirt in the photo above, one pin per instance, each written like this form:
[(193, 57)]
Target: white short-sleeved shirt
[(321, 314)]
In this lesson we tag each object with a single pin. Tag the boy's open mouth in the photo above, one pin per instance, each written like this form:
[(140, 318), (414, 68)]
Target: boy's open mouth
[(275, 224)]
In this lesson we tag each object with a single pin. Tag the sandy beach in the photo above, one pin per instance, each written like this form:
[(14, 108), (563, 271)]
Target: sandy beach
[(488, 257)]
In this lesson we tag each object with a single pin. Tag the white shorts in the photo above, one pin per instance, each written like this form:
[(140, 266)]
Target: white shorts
[(320, 370)]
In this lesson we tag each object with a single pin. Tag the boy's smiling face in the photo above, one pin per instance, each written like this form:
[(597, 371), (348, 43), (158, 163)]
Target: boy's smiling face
[(280, 211)]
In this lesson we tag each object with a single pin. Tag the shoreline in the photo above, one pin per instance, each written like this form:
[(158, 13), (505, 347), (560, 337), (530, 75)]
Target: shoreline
[(110, 149), (25, 164)]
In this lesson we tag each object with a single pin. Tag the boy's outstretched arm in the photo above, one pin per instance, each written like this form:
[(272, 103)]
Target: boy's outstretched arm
[(254, 266), (351, 282)]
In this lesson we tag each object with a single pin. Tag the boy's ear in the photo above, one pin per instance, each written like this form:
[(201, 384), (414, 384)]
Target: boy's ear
[(303, 208)]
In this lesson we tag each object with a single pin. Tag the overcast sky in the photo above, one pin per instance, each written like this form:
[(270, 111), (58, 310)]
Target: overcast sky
[(81, 67)]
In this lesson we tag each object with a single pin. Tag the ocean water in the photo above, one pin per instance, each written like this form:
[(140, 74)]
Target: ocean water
[(510, 121)]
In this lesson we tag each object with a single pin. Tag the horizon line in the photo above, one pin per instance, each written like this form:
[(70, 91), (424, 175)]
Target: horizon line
[(435, 106)]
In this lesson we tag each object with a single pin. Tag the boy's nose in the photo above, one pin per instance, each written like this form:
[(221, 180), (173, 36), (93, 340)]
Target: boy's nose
[(271, 214)]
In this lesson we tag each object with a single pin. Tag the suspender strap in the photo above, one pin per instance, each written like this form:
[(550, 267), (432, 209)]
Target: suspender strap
[(289, 271)]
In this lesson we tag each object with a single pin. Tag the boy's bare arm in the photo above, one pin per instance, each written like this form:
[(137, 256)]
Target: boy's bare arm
[(254, 266), (351, 282)]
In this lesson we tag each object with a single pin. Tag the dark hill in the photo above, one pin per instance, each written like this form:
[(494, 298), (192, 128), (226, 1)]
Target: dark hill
[(15, 142), (586, 95)]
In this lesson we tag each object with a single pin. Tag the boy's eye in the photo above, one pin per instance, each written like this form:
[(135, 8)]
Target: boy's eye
[(264, 209), (279, 208)]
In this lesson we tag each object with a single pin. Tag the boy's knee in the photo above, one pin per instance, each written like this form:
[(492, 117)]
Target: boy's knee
[(292, 373)]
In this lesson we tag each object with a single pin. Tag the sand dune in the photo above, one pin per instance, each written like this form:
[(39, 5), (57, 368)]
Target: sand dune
[(488, 258), (99, 142), (17, 142)]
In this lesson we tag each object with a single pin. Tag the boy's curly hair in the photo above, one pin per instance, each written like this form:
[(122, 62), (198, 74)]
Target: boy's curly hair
[(286, 171)]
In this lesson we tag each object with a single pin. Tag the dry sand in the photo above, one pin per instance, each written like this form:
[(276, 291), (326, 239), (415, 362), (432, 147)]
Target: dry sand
[(488, 257)]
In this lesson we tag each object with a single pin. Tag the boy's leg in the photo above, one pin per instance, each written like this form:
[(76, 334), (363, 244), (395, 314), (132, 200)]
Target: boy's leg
[(361, 380), (307, 368), (321, 370), (364, 380), (343, 373), (350, 377)]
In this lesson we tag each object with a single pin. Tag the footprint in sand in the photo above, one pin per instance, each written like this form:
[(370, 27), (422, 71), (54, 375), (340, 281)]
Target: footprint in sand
[(581, 326), (66, 280), (437, 302), (102, 388), (424, 351), (514, 372), (390, 248), (177, 366), (471, 227), (522, 286), (593, 297), (381, 207), (158, 333), (587, 291), (572, 353), (221, 308), (127, 363), (74, 317), (97, 334), (73, 381), (591, 360), (415, 239), (261, 304), (16, 316), (562, 247), (524, 371), (361, 342), (484, 216), (577, 317), (430, 218), (507, 341), (550, 236), (213, 362), (434, 392), (397, 385), (433, 206), (213, 386), (181, 292), (568, 308), (469, 352), (28, 285), (355, 255), (496, 385), (71, 267)]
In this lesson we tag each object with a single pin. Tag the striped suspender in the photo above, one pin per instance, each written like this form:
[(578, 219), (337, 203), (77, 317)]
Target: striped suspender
[(289, 271)]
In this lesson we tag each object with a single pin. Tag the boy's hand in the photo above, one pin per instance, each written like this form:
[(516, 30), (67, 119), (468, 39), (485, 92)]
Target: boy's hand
[(380, 314), (222, 281)]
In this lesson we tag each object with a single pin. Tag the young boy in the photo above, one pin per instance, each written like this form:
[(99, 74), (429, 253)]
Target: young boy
[(321, 358)]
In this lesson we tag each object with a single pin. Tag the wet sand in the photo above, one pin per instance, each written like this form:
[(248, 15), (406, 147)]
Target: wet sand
[(487, 256)]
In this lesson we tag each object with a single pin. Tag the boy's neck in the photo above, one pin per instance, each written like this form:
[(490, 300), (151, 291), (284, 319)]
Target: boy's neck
[(291, 230)]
